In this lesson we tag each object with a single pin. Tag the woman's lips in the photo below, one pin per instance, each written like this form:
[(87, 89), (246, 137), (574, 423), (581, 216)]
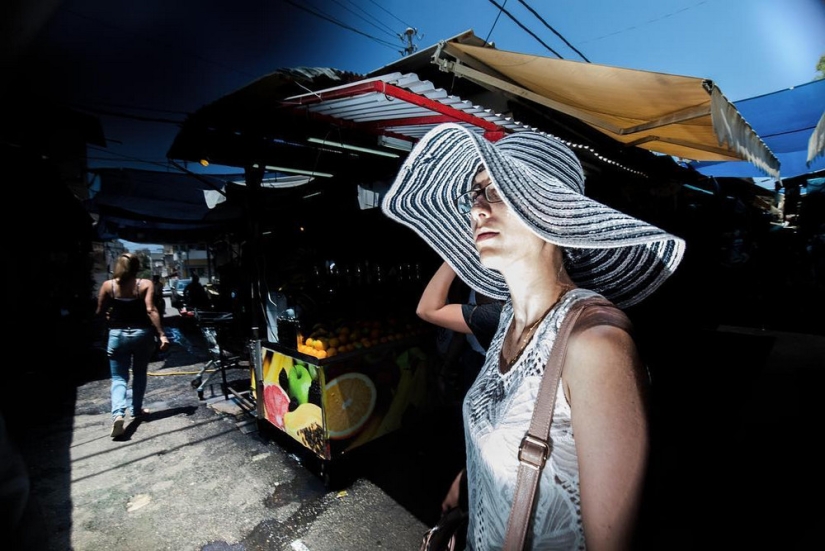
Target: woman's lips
[(483, 236)]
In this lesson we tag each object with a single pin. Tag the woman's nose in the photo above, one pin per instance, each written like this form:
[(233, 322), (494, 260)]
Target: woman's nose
[(480, 208)]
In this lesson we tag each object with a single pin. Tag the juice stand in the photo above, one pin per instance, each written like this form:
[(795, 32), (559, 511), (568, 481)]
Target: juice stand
[(343, 359), (334, 404)]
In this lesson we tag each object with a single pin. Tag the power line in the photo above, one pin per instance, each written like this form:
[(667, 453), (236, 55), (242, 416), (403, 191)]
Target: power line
[(339, 23), (143, 108), (364, 19), (123, 157), (365, 12), (546, 24), (108, 113), (519, 23), (498, 15), (392, 14), (191, 53), (649, 21)]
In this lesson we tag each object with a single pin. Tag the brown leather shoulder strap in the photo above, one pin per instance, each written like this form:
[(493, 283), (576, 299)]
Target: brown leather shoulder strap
[(535, 448), (603, 313)]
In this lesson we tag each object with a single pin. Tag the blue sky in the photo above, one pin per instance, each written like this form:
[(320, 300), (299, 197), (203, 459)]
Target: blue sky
[(157, 60)]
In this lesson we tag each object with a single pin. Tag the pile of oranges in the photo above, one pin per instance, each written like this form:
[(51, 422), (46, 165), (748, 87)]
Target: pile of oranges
[(323, 343)]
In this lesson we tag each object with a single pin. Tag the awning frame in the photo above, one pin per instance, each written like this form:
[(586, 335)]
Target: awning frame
[(736, 139), (367, 89)]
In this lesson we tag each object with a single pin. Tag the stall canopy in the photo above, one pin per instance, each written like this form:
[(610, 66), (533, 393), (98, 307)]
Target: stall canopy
[(147, 206), (331, 129), (685, 117), (786, 121)]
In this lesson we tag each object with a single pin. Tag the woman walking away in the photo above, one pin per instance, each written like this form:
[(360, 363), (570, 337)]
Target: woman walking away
[(512, 220), (133, 322)]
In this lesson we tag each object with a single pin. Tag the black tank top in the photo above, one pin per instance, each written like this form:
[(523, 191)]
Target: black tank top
[(128, 312)]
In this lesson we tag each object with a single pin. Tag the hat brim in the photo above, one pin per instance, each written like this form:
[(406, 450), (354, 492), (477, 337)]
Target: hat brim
[(619, 256)]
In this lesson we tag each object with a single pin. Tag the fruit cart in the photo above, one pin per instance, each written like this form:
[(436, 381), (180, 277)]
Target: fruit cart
[(336, 392)]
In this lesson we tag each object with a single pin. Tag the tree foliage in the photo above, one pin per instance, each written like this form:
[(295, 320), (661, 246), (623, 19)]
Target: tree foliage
[(821, 68), (145, 263)]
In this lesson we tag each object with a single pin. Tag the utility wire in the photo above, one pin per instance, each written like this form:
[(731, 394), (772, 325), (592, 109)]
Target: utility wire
[(546, 24), (365, 12), (123, 157), (392, 14), (126, 115), (341, 24), (531, 33), (649, 21), (142, 108), (498, 15), (364, 19), (169, 46)]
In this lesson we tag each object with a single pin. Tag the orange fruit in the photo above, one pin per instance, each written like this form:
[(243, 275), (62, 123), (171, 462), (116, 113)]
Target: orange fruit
[(349, 401)]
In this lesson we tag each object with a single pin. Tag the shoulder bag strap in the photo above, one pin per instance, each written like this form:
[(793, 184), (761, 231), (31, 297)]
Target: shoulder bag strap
[(535, 447)]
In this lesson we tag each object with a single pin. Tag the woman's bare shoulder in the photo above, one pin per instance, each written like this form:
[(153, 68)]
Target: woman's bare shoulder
[(600, 354)]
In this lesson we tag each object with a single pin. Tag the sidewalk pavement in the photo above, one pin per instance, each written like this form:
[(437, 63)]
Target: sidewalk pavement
[(736, 415), (199, 475)]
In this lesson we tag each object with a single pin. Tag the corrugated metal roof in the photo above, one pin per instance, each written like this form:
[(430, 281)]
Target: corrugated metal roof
[(402, 106)]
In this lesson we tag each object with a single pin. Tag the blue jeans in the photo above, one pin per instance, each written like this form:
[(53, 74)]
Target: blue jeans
[(129, 348)]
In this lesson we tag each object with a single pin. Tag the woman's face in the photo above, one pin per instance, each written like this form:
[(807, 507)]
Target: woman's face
[(501, 238)]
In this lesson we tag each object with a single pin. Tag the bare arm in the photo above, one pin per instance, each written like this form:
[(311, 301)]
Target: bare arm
[(602, 377), (154, 315), (452, 498), (102, 297), (433, 307)]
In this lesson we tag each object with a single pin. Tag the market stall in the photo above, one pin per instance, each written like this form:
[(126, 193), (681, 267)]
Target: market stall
[(335, 404), (321, 256)]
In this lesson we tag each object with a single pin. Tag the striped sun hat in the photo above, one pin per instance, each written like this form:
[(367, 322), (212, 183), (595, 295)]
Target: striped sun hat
[(542, 181)]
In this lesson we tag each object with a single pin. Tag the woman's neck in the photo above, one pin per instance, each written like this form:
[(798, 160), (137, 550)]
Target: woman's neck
[(536, 287)]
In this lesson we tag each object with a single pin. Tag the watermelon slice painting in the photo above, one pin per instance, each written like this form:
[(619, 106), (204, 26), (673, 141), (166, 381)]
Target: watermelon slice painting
[(276, 404)]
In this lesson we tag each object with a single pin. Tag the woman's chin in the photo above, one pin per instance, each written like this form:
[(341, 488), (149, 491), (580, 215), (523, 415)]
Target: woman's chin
[(489, 259)]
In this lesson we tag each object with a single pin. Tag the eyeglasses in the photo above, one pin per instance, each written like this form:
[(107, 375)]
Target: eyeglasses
[(465, 202)]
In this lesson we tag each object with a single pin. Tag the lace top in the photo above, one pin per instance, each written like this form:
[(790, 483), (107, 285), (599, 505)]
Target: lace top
[(497, 412)]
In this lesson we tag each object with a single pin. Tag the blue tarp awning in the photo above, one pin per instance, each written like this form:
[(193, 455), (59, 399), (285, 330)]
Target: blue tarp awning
[(785, 121)]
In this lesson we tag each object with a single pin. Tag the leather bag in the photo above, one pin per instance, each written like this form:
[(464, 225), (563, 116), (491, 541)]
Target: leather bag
[(449, 533)]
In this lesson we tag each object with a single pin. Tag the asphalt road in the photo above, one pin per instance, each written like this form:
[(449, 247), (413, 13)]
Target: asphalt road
[(205, 475)]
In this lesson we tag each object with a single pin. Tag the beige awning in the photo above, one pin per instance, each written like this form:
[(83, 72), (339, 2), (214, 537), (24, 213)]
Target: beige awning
[(686, 117)]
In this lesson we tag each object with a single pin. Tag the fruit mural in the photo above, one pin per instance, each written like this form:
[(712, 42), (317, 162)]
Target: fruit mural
[(344, 402), (292, 398)]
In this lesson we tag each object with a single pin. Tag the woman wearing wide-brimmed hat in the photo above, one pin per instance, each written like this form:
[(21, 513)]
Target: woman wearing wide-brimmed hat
[(512, 220)]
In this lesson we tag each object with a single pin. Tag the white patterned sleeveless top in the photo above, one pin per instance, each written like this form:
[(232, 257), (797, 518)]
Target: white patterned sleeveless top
[(497, 412)]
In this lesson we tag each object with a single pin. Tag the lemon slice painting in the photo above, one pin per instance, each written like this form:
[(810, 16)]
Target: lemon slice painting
[(349, 401)]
